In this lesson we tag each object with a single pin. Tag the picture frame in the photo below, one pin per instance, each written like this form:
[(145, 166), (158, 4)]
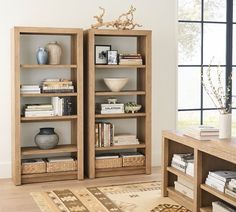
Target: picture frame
[(112, 57), (101, 54)]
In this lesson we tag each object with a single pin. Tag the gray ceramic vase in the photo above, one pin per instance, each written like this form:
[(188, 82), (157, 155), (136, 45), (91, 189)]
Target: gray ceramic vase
[(42, 56), (46, 138)]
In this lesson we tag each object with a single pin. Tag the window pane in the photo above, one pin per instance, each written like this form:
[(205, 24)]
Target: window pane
[(189, 88), (234, 122), (215, 10), (211, 118), (189, 45), (219, 85), (188, 118), (214, 43), (189, 10)]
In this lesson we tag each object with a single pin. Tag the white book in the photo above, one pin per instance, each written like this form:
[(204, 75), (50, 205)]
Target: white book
[(184, 189), (106, 157), (178, 167), (198, 137), (183, 156), (215, 185), (203, 128), (231, 193), (55, 103), (233, 180), (60, 159), (39, 114), (216, 180), (231, 183), (179, 162), (222, 207), (185, 183), (223, 175), (112, 112)]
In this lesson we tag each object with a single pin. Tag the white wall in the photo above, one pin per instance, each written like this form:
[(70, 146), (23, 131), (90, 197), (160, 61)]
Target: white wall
[(157, 15)]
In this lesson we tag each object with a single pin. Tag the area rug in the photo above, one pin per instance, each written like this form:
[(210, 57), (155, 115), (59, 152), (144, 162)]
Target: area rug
[(139, 197)]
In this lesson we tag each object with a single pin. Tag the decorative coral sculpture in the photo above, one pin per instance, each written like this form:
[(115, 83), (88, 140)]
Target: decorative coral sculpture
[(124, 22)]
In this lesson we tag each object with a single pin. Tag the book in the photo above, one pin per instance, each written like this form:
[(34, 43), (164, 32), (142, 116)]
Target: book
[(60, 159), (219, 206), (215, 185), (223, 175), (184, 156), (184, 189), (107, 156), (185, 183), (230, 193), (131, 154)]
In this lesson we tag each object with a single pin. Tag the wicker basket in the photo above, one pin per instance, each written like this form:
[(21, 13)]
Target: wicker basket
[(134, 161), (33, 168), (62, 166), (108, 163)]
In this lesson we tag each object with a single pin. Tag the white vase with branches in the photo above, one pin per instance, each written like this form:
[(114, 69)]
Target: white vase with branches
[(220, 98)]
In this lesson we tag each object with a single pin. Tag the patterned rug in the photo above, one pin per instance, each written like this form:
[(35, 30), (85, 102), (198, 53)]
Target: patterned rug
[(140, 197)]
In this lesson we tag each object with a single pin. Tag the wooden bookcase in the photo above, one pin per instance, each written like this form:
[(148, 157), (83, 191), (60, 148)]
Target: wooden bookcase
[(208, 156), (142, 95), (74, 67)]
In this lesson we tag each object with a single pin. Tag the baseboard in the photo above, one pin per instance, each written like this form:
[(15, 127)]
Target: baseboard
[(5, 168)]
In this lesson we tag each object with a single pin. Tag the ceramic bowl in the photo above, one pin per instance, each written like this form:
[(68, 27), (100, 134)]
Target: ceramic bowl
[(132, 109), (115, 84)]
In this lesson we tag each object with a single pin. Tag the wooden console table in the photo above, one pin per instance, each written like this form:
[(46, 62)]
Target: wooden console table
[(208, 156)]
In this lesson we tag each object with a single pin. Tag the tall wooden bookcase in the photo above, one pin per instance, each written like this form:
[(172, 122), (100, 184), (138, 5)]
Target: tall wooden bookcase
[(142, 93), (73, 66)]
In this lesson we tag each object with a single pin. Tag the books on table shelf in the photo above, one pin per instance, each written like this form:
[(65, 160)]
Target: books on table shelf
[(62, 106), (219, 206), (105, 108), (202, 132), (57, 86), (130, 59), (185, 187), (38, 110), (29, 89), (104, 134), (219, 180), (184, 162), (125, 139)]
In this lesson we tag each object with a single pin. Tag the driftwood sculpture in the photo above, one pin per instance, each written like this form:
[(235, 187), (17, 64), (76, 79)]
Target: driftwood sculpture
[(124, 22)]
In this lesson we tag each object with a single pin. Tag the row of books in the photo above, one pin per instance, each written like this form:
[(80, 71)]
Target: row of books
[(202, 132), (62, 106), (130, 59), (219, 206), (125, 139), (184, 162), (223, 181), (57, 86), (118, 155), (185, 187), (104, 134), (110, 108)]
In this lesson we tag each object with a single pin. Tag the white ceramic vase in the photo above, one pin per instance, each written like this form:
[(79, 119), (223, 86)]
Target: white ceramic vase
[(55, 51), (225, 125)]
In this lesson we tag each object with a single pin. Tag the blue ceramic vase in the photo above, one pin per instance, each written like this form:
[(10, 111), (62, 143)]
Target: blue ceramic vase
[(42, 56), (46, 138)]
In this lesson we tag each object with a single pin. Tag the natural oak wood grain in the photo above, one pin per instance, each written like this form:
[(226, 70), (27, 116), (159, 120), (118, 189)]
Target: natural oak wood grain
[(143, 94), (180, 173), (122, 93), (206, 209), (25, 151), (134, 146), (75, 66)]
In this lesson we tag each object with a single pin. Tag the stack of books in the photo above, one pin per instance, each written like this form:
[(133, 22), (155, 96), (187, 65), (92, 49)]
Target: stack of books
[(202, 132), (219, 179), (104, 134), (181, 161), (110, 108), (125, 139), (130, 59), (29, 89), (62, 106), (185, 187), (231, 188), (107, 156), (38, 110), (57, 86), (220, 206)]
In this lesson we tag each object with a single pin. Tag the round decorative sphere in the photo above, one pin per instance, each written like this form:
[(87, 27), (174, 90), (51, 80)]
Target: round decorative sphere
[(46, 138)]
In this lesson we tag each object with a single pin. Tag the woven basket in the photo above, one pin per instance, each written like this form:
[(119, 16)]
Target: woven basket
[(61, 166), (108, 163), (29, 168), (134, 161)]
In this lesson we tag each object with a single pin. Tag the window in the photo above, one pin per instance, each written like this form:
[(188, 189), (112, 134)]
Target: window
[(205, 32)]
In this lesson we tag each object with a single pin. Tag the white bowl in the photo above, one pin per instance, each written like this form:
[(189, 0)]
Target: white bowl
[(115, 84)]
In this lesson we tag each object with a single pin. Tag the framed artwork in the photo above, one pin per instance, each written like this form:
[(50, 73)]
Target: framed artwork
[(101, 54), (112, 57)]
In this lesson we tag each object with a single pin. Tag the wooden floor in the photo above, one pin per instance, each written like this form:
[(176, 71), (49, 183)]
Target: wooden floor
[(17, 198)]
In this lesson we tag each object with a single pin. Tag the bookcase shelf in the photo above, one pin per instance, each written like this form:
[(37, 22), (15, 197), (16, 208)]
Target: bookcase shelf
[(49, 94), (36, 66), (208, 156), (140, 90), (26, 151), (122, 93), (48, 118), (24, 42)]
